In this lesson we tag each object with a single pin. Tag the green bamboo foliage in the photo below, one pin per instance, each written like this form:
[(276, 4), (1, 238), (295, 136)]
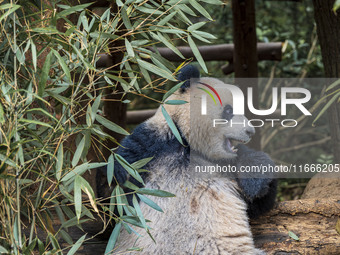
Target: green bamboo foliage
[(49, 82)]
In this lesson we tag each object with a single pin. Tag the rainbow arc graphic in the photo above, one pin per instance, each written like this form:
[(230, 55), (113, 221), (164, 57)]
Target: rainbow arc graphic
[(204, 97), (210, 94)]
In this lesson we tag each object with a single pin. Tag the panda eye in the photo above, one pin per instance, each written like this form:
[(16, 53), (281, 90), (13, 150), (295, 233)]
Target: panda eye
[(227, 112), (228, 109)]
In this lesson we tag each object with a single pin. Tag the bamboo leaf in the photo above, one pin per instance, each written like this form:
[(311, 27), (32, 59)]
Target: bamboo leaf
[(73, 9), (77, 245), (156, 70), (78, 152), (2, 115), (20, 56), (112, 202), (336, 5), (294, 236), (155, 192), (167, 19), (3, 250), (200, 9), (59, 164), (89, 120), (150, 203), (331, 101), (132, 220), (140, 163), (41, 247), (95, 107), (169, 45), (130, 185), (129, 49), (197, 53), (63, 64), (43, 112), (122, 82), (86, 187), (204, 34), (216, 2), (12, 9), (46, 30), (110, 125), (34, 55), (138, 211), (172, 125), (119, 200), (55, 243), (113, 238), (110, 169), (66, 237), (44, 74), (176, 102), (128, 168), (36, 122), (82, 59), (77, 196), (125, 18), (334, 84), (172, 90), (197, 36), (196, 26), (78, 170)]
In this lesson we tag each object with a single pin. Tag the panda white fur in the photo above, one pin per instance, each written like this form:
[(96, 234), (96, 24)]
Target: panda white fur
[(207, 216)]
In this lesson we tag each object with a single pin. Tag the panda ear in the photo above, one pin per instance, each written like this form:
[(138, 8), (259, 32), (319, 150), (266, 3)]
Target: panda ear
[(185, 74)]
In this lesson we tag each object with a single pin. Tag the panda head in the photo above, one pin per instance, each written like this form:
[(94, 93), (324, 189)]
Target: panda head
[(214, 143)]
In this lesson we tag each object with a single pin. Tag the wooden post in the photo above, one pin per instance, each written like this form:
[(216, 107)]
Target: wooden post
[(245, 53), (114, 109), (328, 27)]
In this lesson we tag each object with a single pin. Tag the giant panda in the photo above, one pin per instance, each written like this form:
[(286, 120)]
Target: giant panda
[(207, 215)]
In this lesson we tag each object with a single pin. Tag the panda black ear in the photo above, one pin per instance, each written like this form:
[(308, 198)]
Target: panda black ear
[(185, 74)]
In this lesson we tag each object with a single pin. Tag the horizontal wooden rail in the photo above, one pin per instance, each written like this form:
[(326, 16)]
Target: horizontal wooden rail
[(266, 51), (219, 52)]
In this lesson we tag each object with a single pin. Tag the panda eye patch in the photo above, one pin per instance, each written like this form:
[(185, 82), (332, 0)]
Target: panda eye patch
[(228, 112)]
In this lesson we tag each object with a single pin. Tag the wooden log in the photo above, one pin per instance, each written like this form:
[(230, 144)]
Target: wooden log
[(312, 220), (138, 116)]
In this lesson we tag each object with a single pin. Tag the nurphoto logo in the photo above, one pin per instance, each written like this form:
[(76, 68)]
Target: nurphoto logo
[(303, 96)]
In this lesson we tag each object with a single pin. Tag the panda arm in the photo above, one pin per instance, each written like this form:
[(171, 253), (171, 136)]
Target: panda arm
[(259, 191), (133, 148)]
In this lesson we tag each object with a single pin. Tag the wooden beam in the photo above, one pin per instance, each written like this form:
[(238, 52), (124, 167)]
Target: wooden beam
[(219, 52), (223, 52), (138, 116)]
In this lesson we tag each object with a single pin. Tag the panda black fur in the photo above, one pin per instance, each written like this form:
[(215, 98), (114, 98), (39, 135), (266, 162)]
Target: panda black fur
[(207, 216)]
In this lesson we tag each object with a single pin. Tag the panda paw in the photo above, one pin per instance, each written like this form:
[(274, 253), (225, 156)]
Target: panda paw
[(253, 188), (253, 184)]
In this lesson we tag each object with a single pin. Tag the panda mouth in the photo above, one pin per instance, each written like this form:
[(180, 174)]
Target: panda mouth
[(230, 145)]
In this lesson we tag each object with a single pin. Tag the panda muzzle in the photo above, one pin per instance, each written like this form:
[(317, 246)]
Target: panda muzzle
[(230, 145)]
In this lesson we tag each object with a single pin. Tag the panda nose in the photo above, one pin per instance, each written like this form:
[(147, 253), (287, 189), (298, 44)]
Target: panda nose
[(250, 131)]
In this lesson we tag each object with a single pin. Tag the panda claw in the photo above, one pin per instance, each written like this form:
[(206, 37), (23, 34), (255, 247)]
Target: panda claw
[(233, 149)]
